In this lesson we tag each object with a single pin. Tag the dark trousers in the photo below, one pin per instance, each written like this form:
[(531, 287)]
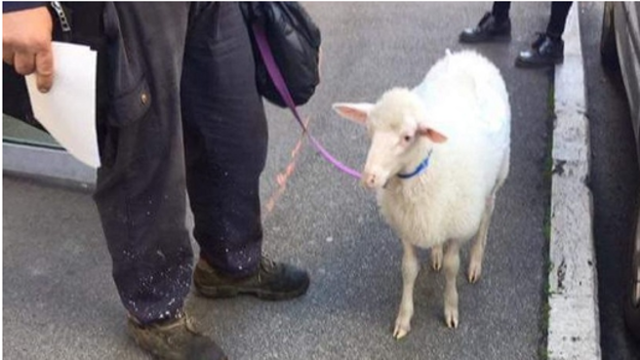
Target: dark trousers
[(184, 116), (558, 19), (555, 27), (500, 10)]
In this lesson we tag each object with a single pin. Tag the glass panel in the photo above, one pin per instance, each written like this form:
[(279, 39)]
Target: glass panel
[(16, 131)]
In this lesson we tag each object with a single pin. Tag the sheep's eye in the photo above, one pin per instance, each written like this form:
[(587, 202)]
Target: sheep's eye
[(407, 138)]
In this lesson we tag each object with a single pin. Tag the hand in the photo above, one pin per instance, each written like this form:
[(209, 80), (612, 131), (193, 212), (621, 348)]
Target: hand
[(26, 44)]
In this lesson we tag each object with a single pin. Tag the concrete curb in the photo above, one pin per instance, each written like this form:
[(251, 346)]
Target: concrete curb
[(574, 329)]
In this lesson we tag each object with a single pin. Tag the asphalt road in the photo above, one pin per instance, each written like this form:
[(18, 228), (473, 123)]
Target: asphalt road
[(59, 300), (614, 183)]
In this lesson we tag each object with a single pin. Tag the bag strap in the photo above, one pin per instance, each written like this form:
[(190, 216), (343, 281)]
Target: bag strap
[(281, 86)]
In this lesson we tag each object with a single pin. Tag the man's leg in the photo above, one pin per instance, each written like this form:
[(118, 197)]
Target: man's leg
[(225, 135), (225, 138), (140, 190)]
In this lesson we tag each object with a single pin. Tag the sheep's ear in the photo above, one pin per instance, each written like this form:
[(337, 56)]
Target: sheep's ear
[(433, 135), (354, 112)]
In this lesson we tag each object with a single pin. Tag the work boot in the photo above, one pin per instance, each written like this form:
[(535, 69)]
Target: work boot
[(272, 281), (175, 339), (488, 29), (545, 51)]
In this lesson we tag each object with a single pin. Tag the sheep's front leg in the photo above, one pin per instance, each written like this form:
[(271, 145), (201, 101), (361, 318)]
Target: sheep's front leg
[(477, 251), (451, 266), (410, 268)]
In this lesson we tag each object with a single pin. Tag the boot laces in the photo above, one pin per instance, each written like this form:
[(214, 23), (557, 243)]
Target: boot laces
[(484, 19), (540, 37), (268, 265), (182, 321)]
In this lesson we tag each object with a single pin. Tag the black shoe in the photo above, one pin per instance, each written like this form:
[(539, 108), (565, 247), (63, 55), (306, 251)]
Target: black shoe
[(488, 29), (175, 339), (272, 281), (539, 40), (545, 51)]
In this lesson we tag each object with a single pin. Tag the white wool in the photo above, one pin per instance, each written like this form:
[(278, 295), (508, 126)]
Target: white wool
[(459, 117), (464, 97)]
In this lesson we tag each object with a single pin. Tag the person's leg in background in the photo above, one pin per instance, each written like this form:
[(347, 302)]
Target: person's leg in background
[(558, 18), (548, 49), (493, 26), (225, 135), (140, 191), (500, 11)]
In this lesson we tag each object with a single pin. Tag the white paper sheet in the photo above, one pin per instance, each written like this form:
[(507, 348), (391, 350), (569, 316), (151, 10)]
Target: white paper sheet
[(68, 110)]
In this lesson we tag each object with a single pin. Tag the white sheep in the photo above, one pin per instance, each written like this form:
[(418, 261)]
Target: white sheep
[(438, 155)]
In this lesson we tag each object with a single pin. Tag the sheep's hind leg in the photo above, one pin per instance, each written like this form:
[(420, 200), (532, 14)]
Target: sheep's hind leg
[(410, 268), (477, 251), (451, 267), (436, 257)]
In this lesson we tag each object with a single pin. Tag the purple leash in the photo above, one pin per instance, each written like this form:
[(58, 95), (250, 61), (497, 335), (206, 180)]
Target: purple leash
[(281, 86)]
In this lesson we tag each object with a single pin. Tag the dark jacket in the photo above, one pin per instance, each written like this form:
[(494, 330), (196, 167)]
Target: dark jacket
[(10, 6)]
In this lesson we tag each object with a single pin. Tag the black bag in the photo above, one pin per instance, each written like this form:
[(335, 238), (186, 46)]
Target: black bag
[(295, 43)]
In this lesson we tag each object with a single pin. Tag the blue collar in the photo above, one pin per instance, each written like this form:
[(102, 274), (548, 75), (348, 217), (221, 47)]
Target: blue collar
[(423, 165)]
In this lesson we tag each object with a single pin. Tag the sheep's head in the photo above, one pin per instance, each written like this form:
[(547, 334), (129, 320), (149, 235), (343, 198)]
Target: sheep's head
[(399, 133)]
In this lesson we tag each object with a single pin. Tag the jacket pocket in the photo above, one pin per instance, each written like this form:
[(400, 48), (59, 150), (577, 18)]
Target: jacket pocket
[(128, 107), (129, 93)]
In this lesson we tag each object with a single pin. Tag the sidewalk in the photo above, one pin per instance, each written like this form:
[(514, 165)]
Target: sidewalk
[(574, 329)]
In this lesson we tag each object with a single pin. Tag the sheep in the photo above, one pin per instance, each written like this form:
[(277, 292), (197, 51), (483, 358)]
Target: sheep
[(439, 153)]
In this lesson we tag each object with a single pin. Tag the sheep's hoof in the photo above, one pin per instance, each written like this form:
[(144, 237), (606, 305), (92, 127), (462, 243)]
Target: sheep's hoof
[(451, 318), (401, 330), (403, 326), (436, 258), (475, 269)]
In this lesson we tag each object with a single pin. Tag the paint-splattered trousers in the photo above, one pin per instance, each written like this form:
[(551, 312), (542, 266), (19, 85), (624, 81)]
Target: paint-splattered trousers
[(184, 117)]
